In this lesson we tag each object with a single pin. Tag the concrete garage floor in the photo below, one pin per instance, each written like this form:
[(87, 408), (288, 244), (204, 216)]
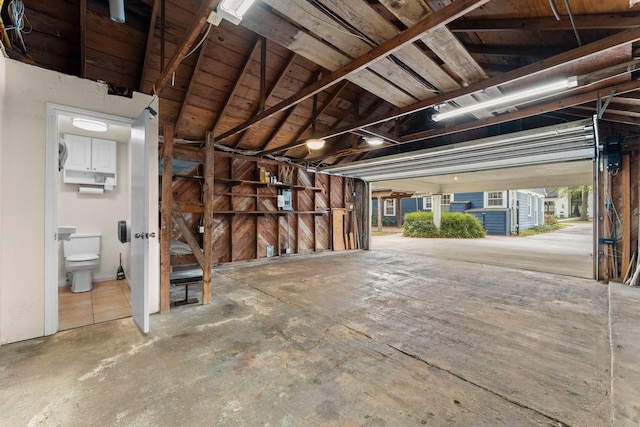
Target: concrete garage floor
[(357, 338), (567, 251)]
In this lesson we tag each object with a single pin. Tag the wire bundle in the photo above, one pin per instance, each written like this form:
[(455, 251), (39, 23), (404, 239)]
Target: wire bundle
[(16, 13)]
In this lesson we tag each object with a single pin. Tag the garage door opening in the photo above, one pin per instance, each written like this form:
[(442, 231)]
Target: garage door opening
[(504, 181)]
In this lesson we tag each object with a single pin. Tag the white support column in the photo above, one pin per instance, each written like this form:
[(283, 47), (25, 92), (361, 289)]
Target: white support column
[(380, 200), (435, 207)]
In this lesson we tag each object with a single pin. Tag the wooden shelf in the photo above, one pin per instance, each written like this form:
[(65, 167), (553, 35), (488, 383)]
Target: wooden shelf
[(266, 184), (270, 212), (303, 187), (228, 181)]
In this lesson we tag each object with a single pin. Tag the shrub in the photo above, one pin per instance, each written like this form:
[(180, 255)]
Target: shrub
[(551, 220), (420, 224), (387, 221), (461, 225)]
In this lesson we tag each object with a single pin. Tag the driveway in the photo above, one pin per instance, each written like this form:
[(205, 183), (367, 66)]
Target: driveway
[(567, 251)]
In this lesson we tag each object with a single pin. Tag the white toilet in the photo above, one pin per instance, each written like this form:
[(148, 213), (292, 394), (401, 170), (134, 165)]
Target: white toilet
[(81, 257)]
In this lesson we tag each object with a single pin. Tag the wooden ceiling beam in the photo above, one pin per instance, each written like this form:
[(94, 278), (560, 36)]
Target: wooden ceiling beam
[(185, 45), (234, 89), (83, 39), (608, 21), (190, 88), (440, 40), (443, 16), (334, 94), (281, 75), (627, 100), (537, 51), (149, 44), (323, 153), (263, 74), (545, 66), (400, 84), (555, 105), (611, 109)]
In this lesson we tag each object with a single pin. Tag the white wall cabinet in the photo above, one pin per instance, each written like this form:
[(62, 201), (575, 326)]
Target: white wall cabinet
[(90, 160), (103, 155)]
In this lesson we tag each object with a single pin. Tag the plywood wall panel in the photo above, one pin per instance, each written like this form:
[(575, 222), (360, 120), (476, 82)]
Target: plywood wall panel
[(288, 232), (306, 233), (336, 190), (267, 234), (244, 237), (246, 216), (222, 238)]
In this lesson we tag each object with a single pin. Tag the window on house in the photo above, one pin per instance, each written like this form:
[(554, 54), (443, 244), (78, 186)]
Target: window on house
[(390, 207), (495, 199), (445, 201), (427, 203), (529, 205)]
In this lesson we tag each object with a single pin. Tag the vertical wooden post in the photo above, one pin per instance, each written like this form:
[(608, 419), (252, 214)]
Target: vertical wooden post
[(626, 213), (399, 212), (166, 218), (207, 240)]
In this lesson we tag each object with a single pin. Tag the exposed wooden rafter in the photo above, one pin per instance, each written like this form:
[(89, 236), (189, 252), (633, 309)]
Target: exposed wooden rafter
[(236, 85), (544, 66), (555, 105), (447, 14), (183, 48), (336, 92), (277, 81), (190, 88), (606, 21), (147, 51)]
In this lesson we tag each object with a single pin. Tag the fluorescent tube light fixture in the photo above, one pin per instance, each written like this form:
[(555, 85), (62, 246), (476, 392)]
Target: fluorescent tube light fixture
[(374, 140), (315, 143), (537, 91), (233, 10), (86, 124)]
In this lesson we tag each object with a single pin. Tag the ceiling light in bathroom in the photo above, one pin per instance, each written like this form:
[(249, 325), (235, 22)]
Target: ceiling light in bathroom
[(87, 124)]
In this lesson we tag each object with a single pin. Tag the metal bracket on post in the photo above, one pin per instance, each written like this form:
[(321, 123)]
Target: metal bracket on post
[(600, 107)]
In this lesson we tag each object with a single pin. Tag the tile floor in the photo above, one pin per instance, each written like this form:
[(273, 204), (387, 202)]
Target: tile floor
[(107, 300)]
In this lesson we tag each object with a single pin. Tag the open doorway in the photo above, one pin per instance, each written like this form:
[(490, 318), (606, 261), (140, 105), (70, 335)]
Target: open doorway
[(92, 207)]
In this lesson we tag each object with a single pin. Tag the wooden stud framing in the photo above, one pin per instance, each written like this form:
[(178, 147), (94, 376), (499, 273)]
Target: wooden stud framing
[(626, 213), (165, 218), (208, 219)]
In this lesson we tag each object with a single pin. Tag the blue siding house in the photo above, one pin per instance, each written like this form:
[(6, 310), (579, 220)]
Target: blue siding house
[(500, 212)]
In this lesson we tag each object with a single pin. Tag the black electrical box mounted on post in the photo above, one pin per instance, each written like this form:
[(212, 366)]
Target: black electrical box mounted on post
[(612, 147)]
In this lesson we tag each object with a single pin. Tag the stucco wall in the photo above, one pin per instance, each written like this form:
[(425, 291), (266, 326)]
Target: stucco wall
[(2, 91), (22, 176)]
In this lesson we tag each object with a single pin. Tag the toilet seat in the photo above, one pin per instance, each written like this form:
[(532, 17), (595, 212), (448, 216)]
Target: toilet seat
[(82, 257)]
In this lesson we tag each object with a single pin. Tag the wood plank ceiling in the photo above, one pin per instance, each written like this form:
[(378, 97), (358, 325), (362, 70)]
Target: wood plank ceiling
[(344, 70)]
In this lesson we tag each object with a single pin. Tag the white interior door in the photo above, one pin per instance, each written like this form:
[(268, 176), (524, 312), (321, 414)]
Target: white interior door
[(139, 277)]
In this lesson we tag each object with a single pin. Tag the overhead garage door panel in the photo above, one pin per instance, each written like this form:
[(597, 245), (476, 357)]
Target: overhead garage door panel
[(561, 143)]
